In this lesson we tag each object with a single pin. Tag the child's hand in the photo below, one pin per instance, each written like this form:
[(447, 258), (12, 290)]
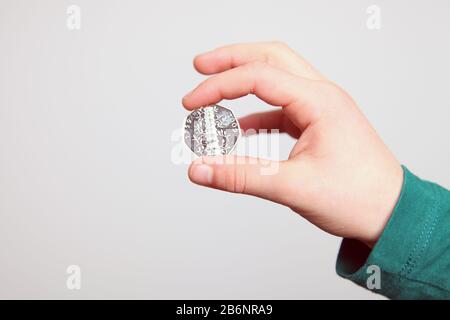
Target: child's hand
[(339, 175)]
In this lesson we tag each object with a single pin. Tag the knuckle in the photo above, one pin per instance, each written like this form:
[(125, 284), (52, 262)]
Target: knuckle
[(335, 95), (275, 50), (279, 45), (330, 90), (235, 179)]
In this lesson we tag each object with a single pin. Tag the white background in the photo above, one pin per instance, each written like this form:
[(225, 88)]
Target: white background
[(86, 118)]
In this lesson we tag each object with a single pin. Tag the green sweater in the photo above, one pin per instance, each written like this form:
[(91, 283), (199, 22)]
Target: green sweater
[(411, 260)]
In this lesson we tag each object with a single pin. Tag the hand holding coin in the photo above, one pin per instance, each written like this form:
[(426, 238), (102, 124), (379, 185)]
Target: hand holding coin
[(339, 175)]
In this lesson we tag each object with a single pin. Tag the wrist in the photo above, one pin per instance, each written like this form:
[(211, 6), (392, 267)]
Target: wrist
[(387, 198)]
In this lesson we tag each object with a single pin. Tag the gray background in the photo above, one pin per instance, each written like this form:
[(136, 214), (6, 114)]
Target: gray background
[(86, 117)]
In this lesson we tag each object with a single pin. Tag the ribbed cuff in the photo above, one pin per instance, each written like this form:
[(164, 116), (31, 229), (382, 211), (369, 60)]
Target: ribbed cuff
[(401, 245)]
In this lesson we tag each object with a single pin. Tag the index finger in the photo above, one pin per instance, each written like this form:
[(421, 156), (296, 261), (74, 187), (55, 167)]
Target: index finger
[(276, 54), (298, 96)]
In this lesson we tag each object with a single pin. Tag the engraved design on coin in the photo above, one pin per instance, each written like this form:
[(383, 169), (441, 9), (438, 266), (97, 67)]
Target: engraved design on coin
[(211, 131)]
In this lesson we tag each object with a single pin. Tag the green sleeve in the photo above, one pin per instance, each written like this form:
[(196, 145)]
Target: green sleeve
[(412, 256)]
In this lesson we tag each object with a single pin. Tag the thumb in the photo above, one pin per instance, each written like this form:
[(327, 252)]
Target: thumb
[(253, 176)]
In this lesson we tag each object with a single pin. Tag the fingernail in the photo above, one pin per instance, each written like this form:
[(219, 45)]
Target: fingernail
[(202, 54), (202, 174), (186, 96), (198, 56)]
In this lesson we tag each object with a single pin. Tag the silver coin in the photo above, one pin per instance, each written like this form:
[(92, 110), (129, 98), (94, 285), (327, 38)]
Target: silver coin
[(211, 131)]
